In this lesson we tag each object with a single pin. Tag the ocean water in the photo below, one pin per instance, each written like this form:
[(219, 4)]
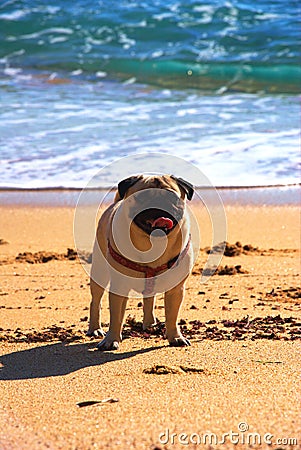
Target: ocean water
[(84, 83)]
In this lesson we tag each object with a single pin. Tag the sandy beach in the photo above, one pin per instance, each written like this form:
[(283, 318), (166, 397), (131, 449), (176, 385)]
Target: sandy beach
[(93, 93), (236, 387)]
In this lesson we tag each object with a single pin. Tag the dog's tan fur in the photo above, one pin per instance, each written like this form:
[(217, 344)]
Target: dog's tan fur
[(141, 241)]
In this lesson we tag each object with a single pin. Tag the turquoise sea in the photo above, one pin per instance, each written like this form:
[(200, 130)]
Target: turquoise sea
[(83, 83)]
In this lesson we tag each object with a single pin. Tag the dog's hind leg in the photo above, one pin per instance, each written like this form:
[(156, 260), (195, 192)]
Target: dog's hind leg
[(149, 319)]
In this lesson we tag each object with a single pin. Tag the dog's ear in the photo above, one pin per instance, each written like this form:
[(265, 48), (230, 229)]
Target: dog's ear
[(185, 185), (124, 185)]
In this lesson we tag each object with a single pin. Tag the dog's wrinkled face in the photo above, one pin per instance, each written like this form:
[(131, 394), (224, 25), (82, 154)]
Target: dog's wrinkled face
[(162, 209), (160, 202)]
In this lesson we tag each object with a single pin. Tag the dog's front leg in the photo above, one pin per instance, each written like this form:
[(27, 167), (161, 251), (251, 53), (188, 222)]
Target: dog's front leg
[(95, 328), (99, 279), (149, 319), (117, 309), (172, 302)]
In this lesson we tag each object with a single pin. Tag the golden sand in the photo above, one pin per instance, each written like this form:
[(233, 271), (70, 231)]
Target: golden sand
[(240, 375)]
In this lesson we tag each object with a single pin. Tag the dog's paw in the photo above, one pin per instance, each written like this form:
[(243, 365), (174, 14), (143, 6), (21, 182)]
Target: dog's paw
[(108, 344), (180, 341), (96, 333), (149, 325)]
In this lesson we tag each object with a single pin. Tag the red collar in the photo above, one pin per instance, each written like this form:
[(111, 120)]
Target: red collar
[(150, 272)]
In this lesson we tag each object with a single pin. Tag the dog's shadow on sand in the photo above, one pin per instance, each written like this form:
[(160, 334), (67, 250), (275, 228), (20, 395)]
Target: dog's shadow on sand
[(58, 359)]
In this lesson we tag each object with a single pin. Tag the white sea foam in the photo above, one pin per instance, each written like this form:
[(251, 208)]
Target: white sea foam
[(54, 30), (14, 15), (62, 135)]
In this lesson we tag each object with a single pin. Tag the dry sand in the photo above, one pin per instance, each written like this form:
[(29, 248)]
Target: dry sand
[(241, 371)]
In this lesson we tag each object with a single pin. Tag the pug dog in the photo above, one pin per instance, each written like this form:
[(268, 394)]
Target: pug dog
[(142, 243)]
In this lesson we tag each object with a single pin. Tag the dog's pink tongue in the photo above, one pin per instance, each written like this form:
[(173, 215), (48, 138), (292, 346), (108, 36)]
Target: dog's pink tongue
[(163, 222)]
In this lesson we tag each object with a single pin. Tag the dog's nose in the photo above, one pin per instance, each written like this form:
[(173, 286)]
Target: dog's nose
[(159, 196)]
